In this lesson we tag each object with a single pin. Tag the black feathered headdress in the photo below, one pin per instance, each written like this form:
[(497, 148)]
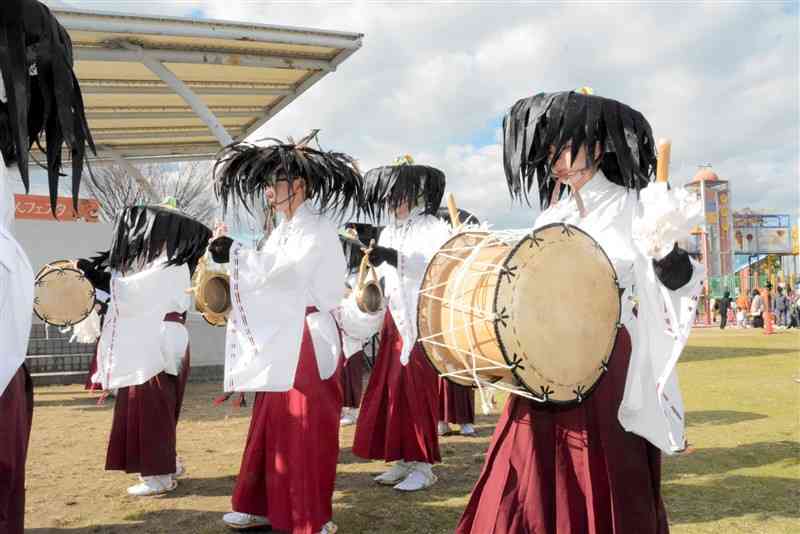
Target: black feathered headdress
[(143, 233), (389, 187), (464, 216), (244, 171), (536, 123), (43, 95)]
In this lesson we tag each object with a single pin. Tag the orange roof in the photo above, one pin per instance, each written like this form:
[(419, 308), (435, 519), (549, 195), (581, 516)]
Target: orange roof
[(705, 174)]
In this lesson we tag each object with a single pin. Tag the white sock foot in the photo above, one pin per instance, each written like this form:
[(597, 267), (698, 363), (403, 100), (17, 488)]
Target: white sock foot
[(467, 430), (421, 477), (329, 528), (398, 472), (241, 521), (153, 485)]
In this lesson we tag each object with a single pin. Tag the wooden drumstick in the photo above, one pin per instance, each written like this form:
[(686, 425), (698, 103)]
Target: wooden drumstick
[(662, 168), (453, 210)]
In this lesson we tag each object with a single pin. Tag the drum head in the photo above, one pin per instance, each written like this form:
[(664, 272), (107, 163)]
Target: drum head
[(369, 298), (62, 295), (558, 311), (217, 295)]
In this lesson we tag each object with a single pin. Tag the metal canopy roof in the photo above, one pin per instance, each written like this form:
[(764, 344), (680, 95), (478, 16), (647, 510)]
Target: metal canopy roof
[(176, 89)]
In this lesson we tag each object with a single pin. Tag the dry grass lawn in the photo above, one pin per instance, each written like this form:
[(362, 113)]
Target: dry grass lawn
[(742, 404)]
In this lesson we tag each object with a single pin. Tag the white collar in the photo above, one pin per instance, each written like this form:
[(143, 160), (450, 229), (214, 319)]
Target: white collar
[(596, 186), (301, 214), (303, 211)]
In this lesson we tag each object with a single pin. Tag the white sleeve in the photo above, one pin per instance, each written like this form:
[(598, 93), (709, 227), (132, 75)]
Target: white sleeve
[(157, 289), (277, 268), (664, 216), (330, 268), (652, 406), (355, 323)]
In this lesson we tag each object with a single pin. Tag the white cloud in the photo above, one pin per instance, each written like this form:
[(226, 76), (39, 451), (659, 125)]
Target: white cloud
[(719, 79)]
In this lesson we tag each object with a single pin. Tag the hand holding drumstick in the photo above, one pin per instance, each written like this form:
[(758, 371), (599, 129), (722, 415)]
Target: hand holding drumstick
[(219, 245)]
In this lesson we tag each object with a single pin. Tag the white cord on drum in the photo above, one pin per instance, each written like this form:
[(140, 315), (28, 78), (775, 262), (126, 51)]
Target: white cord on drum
[(468, 262)]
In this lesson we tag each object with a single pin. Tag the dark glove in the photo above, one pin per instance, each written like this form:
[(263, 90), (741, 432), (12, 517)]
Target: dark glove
[(674, 270), (383, 254), (100, 279), (220, 249)]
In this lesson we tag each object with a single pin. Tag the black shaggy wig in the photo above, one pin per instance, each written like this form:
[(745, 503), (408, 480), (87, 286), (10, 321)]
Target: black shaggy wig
[(143, 233), (389, 187), (244, 171), (43, 94), (99, 261), (574, 119)]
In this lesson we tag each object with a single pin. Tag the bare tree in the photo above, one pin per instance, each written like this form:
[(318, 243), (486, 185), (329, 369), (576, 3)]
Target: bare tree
[(189, 183)]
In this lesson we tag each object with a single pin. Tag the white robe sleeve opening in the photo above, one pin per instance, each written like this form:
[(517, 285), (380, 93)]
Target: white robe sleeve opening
[(136, 343)]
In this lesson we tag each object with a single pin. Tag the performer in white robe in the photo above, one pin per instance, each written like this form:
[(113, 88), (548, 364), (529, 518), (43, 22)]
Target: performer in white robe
[(399, 412), (354, 363), (596, 467), (282, 340), (143, 351), (39, 98), (16, 387)]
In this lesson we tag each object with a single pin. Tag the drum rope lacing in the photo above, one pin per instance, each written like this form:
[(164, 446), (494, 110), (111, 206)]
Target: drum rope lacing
[(485, 388)]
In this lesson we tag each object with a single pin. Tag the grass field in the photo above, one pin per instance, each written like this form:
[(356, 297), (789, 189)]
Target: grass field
[(742, 403)]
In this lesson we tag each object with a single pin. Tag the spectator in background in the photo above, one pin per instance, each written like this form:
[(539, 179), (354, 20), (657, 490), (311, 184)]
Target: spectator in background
[(724, 304), (782, 309), (742, 308), (794, 309), (769, 303), (757, 310)]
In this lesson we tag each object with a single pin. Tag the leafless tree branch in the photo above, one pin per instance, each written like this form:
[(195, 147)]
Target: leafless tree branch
[(189, 183)]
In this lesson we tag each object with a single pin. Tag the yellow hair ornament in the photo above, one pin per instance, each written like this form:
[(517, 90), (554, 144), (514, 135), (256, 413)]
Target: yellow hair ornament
[(405, 159)]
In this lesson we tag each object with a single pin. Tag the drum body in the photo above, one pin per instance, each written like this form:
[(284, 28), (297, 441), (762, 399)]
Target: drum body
[(212, 293), (535, 313), (62, 294)]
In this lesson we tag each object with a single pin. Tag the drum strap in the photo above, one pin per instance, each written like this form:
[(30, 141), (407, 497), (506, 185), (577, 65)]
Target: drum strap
[(557, 193)]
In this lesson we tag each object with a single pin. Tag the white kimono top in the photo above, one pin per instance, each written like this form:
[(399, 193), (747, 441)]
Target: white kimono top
[(301, 265), (136, 343), (651, 406), (16, 288), (416, 239)]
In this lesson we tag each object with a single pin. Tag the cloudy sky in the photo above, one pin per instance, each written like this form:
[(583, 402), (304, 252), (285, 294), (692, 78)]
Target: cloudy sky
[(434, 79)]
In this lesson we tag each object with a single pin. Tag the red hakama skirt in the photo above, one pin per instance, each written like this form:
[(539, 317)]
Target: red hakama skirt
[(352, 379), (399, 411), (563, 471), (143, 431), (288, 468), (16, 415), (456, 403)]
